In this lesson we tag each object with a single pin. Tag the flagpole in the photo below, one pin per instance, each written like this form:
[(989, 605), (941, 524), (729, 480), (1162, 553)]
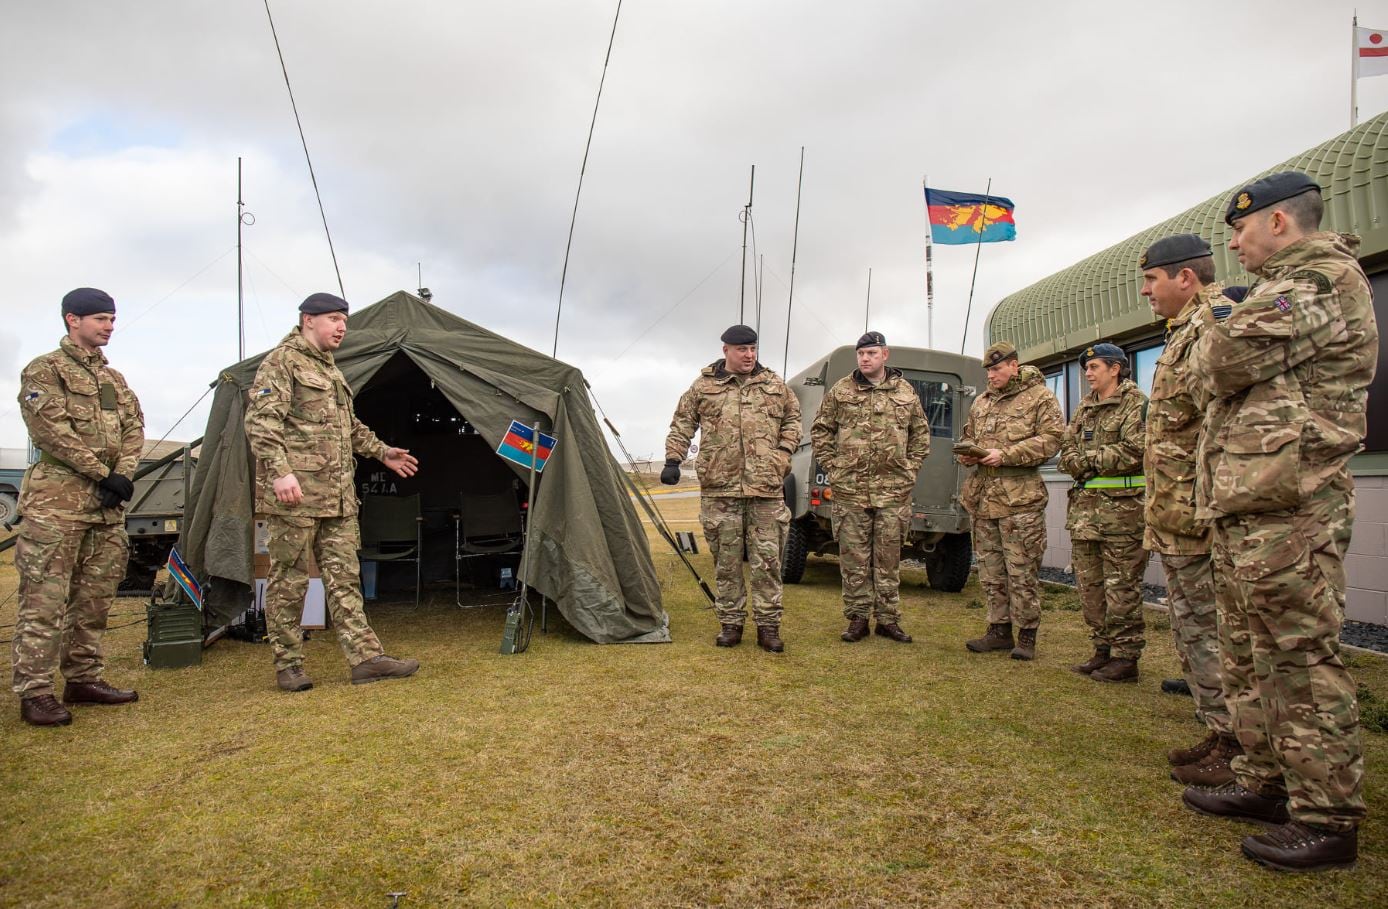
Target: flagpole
[(794, 248), (978, 248), (1354, 70), (745, 217), (929, 273)]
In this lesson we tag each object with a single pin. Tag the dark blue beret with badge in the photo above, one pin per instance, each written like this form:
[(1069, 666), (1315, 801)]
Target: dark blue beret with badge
[(1105, 351), (739, 334), (1267, 191), (872, 339), (318, 304), (87, 301), (1170, 250)]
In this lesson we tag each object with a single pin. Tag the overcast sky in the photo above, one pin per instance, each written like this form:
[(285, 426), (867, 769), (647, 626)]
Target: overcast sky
[(451, 133)]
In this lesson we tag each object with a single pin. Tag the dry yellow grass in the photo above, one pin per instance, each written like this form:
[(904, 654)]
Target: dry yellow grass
[(872, 774)]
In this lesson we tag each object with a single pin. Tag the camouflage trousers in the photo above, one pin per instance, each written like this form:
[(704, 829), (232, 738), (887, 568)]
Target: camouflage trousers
[(870, 559), (1190, 598), (1108, 574), (1292, 702), (334, 543), (1337, 504), (1009, 554), (68, 574), (758, 526)]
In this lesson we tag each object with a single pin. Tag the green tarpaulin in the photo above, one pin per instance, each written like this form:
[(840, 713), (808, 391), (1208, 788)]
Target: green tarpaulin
[(588, 549)]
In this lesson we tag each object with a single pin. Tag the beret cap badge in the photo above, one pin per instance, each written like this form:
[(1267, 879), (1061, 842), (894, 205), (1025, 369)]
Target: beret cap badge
[(1243, 202)]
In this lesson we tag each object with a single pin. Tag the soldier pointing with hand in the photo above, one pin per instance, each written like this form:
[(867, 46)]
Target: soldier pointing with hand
[(303, 432)]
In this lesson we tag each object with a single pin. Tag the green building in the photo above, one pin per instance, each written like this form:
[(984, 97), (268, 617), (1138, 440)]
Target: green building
[(1097, 298)]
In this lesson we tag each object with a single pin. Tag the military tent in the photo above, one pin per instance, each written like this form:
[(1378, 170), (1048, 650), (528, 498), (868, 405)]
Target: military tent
[(588, 549)]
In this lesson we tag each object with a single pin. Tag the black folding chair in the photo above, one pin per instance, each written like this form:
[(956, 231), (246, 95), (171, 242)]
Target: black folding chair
[(392, 530)]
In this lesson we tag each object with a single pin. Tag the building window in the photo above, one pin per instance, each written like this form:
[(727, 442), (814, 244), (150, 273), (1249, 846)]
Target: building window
[(1145, 366), (1055, 381)]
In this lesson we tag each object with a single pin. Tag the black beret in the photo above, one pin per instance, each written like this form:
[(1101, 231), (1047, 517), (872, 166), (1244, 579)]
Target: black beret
[(872, 339), (87, 301), (1267, 191), (1105, 351), (1236, 293), (317, 304), (1170, 250), (739, 334)]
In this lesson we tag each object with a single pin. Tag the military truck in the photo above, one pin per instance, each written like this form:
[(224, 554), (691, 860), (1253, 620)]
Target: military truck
[(940, 530), (13, 463)]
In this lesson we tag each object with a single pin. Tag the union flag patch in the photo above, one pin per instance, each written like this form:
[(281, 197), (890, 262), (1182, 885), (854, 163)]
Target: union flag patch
[(1283, 304)]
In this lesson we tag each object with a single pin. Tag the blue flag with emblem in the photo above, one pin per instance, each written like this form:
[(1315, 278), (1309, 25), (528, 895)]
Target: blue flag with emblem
[(178, 570)]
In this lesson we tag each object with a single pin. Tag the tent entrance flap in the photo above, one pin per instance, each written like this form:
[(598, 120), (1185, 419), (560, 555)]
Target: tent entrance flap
[(471, 503)]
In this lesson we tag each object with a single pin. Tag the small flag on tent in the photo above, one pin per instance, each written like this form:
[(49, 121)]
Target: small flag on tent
[(178, 570), (1371, 47), (518, 445), (962, 217)]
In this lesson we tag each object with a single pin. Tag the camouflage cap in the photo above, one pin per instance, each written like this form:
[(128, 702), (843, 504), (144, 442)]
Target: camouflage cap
[(872, 339), (1105, 351), (318, 304), (1170, 250), (1267, 191), (739, 334), (1002, 350), (87, 301)]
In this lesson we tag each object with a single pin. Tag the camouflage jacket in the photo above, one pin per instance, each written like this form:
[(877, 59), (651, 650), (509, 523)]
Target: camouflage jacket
[(871, 439), (1173, 432), (748, 429), (1105, 440), (1288, 373), (1022, 419), (88, 423), (300, 420)]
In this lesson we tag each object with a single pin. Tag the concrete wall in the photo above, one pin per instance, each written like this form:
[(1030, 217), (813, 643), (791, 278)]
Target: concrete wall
[(1366, 564)]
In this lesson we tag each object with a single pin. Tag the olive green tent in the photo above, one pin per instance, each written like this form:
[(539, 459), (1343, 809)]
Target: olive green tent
[(588, 549)]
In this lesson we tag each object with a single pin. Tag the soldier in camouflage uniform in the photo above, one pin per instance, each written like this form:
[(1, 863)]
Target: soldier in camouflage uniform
[(871, 436), (749, 423), (1018, 424), (1102, 450), (303, 431), (1288, 371), (71, 549), (1178, 280)]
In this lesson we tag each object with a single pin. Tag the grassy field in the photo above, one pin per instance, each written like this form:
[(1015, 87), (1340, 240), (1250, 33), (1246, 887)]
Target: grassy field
[(872, 774)]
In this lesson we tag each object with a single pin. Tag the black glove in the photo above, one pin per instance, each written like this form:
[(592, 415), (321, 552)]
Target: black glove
[(671, 474), (115, 489)]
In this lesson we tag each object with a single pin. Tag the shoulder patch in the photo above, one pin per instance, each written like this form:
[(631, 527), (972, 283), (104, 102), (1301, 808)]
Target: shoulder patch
[(1282, 303), (1313, 277), (1221, 312), (32, 395), (261, 392)]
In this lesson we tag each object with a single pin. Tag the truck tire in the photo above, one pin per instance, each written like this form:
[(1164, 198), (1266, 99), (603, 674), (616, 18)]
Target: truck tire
[(796, 551), (8, 508), (948, 565)]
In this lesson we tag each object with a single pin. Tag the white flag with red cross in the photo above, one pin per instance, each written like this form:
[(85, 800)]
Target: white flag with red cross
[(1371, 47)]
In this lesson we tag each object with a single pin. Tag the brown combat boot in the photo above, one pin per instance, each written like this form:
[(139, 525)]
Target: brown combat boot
[(383, 667), (44, 710), (1026, 645), (1118, 669), (293, 679), (769, 638), (894, 631), (999, 637), (1303, 847), (730, 636), (1195, 753), (1098, 661), (857, 629), (1214, 770), (1235, 801), (97, 692)]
